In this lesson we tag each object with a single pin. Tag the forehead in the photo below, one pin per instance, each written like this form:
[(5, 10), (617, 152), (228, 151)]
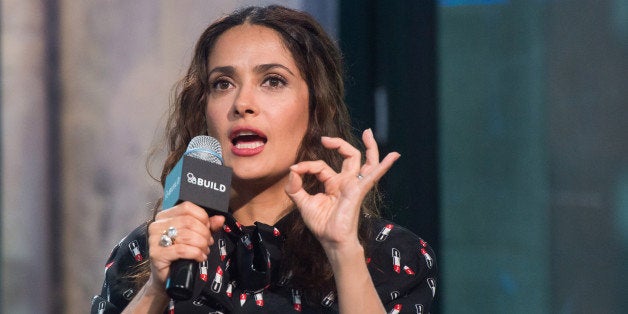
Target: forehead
[(250, 43)]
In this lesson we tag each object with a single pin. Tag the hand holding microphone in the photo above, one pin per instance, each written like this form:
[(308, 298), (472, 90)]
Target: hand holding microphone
[(197, 192)]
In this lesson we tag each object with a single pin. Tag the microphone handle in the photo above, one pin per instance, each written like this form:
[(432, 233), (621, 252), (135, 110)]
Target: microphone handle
[(180, 282)]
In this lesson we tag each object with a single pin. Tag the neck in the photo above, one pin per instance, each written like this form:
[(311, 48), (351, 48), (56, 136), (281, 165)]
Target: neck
[(253, 201)]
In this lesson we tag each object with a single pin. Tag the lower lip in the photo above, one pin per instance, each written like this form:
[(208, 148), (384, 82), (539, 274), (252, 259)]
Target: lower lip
[(246, 152)]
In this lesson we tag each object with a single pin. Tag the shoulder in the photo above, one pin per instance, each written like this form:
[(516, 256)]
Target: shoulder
[(382, 232), (393, 243), (401, 263), (132, 249), (123, 263)]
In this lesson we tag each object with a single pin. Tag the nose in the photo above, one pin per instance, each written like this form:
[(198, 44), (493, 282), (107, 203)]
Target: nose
[(245, 103)]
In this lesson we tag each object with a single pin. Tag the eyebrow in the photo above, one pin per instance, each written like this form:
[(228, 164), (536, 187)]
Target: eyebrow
[(230, 70), (265, 67)]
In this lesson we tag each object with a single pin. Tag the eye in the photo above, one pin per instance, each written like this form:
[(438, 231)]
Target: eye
[(221, 84), (274, 81)]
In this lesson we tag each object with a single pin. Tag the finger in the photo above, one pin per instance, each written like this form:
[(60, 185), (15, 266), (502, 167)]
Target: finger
[(295, 183), (216, 222), (352, 156), (319, 168), (372, 150), (185, 208), (295, 191), (188, 237), (189, 230), (378, 171), (294, 188), (176, 252), (180, 223)]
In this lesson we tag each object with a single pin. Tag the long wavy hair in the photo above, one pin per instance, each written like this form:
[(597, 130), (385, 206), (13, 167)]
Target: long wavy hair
[(320, 63)]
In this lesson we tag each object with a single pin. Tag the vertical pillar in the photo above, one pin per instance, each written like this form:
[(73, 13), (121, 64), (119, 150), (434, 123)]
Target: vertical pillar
[(26, 270)]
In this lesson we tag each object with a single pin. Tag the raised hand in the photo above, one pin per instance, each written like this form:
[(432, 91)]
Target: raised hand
[(333, 216)]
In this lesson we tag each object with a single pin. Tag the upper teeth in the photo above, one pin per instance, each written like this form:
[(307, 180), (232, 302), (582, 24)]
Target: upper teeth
[(243, 133)]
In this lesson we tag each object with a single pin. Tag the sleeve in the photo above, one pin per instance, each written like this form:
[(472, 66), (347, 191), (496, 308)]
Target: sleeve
[(119, 287), (403, 269)]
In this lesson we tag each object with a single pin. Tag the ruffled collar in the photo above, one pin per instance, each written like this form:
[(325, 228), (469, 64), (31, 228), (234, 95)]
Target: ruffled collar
[(256, 257)]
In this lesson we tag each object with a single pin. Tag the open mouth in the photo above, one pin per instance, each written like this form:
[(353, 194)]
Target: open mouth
[(247, 139)]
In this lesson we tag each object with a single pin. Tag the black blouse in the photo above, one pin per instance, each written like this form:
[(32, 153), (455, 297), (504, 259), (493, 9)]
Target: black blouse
[(401, 265)]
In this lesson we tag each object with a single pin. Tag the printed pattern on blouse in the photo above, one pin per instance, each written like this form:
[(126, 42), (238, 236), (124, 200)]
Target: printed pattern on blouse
[(242, 273)]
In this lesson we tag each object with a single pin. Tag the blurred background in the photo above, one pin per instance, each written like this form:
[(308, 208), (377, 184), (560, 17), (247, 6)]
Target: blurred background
[(511, 118)]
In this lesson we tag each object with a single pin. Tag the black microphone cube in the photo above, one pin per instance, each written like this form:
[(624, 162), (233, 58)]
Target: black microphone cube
[(198, 181)]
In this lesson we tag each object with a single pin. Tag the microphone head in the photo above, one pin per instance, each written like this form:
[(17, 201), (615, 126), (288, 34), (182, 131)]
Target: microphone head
[(205, 148)]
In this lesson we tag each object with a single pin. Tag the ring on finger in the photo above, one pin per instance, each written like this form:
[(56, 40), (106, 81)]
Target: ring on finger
[(171, 232), (360, 176), (165, 240)]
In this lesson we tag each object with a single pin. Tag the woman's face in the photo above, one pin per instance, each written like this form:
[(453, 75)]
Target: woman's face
[(257, 106)]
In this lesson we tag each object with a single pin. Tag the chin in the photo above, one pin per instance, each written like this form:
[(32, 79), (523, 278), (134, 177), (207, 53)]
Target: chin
[(259, 177)]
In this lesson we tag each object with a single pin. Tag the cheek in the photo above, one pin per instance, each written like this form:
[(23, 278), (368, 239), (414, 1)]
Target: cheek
[(300, 115), (299, 128), (212, 121), (209, 122)]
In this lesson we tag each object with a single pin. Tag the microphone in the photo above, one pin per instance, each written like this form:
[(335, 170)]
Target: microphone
[(198, 177)]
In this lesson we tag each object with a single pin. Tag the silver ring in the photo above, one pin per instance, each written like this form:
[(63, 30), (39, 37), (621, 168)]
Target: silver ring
[(165, 240), (360, 176), (172, 233)]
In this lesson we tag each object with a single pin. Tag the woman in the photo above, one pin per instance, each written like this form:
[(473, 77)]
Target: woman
[(267, 84)]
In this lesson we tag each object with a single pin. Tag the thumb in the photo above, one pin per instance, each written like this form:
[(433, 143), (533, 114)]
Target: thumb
[(216, 222), (294, 188)]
